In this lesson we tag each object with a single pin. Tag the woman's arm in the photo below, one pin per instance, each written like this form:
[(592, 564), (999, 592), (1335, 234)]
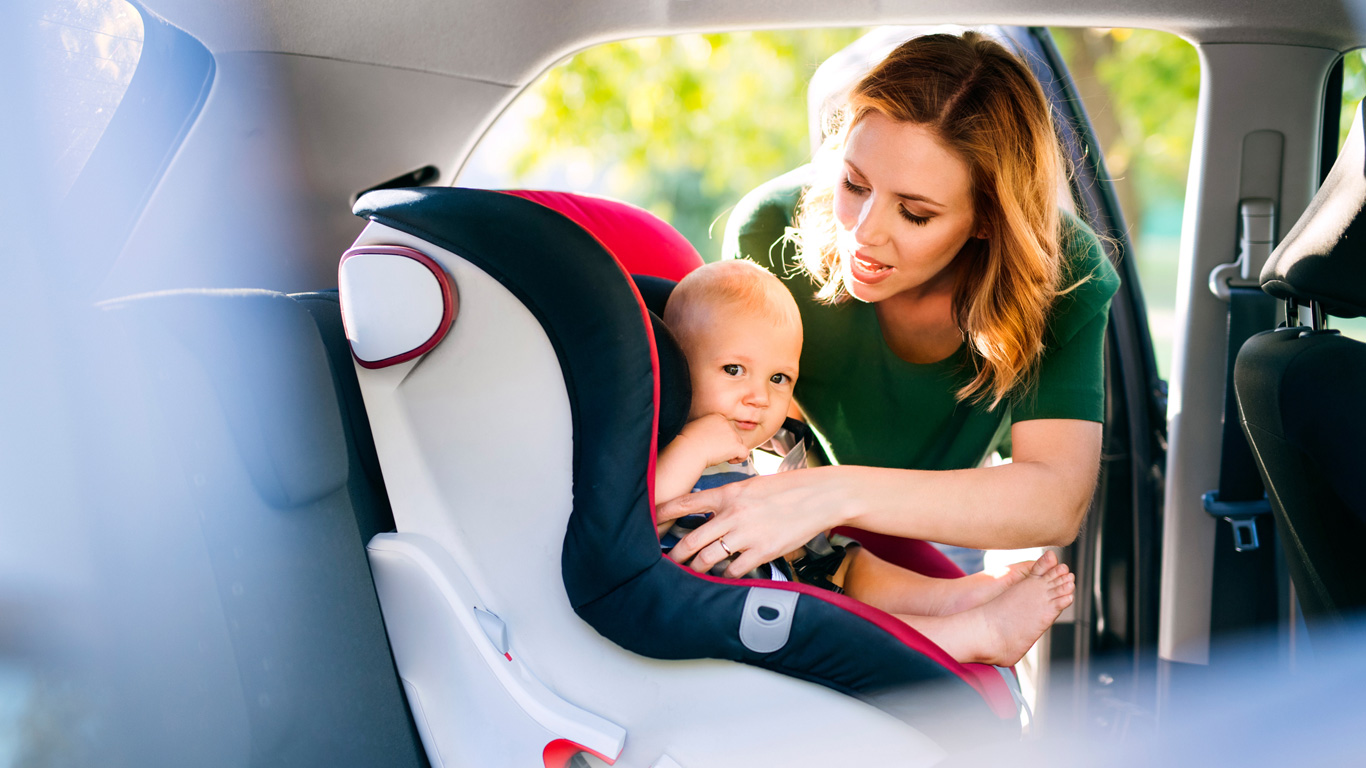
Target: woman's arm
[(1040, 498)]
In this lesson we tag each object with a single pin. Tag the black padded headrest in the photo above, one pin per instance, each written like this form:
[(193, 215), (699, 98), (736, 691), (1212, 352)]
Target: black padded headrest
[(675, 382), (655, 291), (1323, 259)]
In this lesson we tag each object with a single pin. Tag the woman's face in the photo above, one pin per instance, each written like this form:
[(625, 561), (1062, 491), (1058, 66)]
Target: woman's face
[(903, 204)]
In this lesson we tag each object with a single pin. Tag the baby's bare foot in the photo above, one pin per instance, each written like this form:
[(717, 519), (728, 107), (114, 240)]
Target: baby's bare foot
[(1001, 631), (1044, 564), (1016, 619), (977, 589)]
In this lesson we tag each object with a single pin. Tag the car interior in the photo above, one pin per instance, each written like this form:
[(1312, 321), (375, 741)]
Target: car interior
[(317, 457)]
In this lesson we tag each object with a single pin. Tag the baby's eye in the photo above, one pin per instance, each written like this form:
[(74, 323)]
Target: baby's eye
[(733, 369), (780, 378)]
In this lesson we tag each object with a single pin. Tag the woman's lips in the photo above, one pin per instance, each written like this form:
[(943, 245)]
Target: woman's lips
[(868, 271)]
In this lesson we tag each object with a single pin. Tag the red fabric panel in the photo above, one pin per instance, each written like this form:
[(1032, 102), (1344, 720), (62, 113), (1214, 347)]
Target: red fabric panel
[(911, 554), (641, 241)]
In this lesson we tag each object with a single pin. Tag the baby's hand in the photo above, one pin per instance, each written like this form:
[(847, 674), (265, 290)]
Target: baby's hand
[(716, 439)]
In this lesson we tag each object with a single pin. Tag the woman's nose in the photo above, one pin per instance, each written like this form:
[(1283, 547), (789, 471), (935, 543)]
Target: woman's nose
[(871, 229)]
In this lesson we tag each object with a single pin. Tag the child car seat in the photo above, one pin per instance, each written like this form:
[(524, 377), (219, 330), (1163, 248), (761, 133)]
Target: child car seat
[(510, 377)]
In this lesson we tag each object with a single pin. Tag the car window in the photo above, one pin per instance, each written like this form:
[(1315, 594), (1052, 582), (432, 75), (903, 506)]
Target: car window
[(1353, 91), (88, 50), (685, 126), (1145, 124)]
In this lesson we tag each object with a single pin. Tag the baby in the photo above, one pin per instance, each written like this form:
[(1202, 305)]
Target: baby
[(742, 335)]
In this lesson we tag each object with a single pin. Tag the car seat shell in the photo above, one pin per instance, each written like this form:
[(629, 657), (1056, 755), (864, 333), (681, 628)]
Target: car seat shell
[(448, 485)]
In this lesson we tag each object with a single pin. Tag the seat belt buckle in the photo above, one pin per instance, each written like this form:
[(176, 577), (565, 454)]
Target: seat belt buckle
[(1242, 515)]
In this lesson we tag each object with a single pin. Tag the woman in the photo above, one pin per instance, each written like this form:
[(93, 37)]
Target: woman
[(945, 299)]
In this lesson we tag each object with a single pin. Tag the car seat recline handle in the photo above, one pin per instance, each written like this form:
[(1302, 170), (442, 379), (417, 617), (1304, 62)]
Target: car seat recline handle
[(435, 616)]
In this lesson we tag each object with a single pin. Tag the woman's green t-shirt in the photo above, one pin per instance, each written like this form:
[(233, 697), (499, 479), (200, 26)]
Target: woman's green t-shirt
[(870, 407)]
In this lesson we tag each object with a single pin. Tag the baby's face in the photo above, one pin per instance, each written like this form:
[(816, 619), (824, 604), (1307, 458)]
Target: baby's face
[(743, 367)]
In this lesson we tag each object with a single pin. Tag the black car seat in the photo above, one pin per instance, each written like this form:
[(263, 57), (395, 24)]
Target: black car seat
[(1302, 395)]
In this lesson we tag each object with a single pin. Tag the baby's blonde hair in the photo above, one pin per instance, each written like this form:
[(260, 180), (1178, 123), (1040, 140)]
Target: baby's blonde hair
[(735, 285)]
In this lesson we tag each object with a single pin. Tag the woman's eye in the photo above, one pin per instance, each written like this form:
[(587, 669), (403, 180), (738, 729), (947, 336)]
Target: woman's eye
[(732, 369), (780, 378), (852, 187), (919, 221)]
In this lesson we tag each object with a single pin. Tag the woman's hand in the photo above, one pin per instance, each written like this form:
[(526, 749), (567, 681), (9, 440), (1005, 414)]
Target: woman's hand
[(761, 518)]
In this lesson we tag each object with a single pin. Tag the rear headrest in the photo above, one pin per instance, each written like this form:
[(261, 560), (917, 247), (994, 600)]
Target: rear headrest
[(1323, 259), (263, 355)]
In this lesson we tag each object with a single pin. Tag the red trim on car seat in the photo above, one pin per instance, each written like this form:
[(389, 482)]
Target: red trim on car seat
[(982, 678), (450, 301), (641, 242), (558, 752), (911, 554)]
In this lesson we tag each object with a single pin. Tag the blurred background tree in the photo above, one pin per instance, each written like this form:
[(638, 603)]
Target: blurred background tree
[(683, 126), (1140, 89)]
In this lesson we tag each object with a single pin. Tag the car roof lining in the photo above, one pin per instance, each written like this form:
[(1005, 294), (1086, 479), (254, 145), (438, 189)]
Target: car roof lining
[(519, 39)]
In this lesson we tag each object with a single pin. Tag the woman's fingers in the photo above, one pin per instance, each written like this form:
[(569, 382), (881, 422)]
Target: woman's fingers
[(708, 557), (687, 504), (696, 542), (746, 562)]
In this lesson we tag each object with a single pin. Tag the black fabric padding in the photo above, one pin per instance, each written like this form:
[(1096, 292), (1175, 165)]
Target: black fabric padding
[(242, 382), (365, 481), (613, 572), (1300, 395), (675, 383), (1323, 259), (654, 291)]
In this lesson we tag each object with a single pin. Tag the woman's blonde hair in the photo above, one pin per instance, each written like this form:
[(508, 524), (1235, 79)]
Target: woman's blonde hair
[(985, 106)]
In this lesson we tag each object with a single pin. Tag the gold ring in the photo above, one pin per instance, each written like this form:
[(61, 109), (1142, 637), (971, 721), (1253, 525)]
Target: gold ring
[(722, 542)]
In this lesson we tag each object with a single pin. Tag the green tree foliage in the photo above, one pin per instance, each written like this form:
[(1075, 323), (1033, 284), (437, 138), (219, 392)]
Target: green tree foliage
[(683, 126), (1140, 89), (1353, 90)]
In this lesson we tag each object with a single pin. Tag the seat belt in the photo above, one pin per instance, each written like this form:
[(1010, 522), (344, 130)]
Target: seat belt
[(1245, 590)]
